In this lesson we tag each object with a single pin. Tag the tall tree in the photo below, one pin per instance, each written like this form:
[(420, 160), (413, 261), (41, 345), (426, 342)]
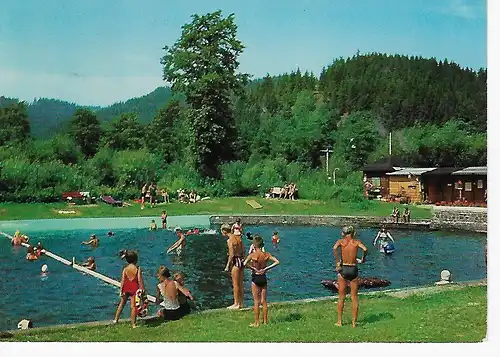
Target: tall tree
[(125, 133), (165, 134), (203, 65), (86, 131), (14, 124)]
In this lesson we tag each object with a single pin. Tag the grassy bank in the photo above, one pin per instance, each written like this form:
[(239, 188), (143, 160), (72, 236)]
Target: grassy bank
[(15, 211), (446, 316)]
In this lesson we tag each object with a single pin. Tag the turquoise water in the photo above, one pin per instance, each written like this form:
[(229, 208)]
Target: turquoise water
[(68, 296)]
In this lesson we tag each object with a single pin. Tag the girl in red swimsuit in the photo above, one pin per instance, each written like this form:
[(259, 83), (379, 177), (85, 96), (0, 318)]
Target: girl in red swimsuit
[(130, 283)]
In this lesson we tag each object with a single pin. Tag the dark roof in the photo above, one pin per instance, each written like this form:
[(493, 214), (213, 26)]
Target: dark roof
[(386, 164), (442, 171)]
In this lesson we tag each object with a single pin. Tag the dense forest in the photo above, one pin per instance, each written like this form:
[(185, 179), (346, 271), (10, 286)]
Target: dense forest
[(263, 133)]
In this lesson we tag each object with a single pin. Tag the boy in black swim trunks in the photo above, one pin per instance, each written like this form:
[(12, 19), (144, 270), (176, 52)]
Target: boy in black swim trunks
[(348, 270), (259, 267)]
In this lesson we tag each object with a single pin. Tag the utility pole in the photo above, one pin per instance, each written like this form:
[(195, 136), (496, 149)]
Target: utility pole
[(328, 151), (390, 144)]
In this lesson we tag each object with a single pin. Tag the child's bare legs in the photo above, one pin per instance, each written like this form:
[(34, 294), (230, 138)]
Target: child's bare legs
[(133, 314), (235, 276), (242, 291), (354, 298), (123, 301), (256, 305), (263, 296), (340, 303)]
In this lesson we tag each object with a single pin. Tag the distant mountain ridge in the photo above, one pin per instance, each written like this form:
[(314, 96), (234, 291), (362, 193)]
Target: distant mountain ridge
[(50, 115)]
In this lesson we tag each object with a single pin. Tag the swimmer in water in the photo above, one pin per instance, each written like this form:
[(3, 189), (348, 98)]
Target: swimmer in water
[(94, 242), (38, 249), (31, 254), (237, 228), (90, 264), (383, 237), (19, 239), (180, 244), (347, 269), (152, 226), (235, 265), (110, 234), (258, 260), (275, 239)]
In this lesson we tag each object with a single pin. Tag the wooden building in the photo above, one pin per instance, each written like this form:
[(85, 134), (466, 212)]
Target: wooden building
[(376, 180), (452, 184), (407, 184), (470, 184), (439, 184)]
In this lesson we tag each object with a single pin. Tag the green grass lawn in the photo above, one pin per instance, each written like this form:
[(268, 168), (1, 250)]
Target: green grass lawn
[(447, 316), (233, 205)]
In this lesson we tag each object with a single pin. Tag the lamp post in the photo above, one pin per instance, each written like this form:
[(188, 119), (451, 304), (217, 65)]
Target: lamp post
[(334, 177), (328, 151)]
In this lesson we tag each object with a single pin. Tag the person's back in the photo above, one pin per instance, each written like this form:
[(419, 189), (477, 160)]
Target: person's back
[(130, 271), (348, 270)]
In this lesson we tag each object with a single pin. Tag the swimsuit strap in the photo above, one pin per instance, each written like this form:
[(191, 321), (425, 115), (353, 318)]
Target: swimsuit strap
[(349, 264)]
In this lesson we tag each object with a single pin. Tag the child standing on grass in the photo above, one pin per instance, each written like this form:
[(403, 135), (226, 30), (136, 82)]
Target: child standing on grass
[(131, 282), (258, 260), (164, 220)]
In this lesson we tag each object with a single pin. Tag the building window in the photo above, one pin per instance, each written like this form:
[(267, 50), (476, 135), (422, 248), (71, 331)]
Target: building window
[(479, 183), (468, 186), (376, 181)]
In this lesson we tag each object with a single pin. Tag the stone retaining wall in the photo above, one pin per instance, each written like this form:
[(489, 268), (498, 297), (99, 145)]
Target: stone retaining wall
[(460, 219), (304, 220), (442, 220)]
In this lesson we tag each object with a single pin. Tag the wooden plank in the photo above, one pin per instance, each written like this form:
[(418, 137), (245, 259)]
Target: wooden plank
[(254, 204)]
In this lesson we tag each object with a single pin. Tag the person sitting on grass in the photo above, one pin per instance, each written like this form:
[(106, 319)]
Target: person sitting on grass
[(258, 264), (152, 226), (90, 264), (131, 281), (406, 215), (395, 215), (183, 299), (167, 292), (94, 242), (31, 254)]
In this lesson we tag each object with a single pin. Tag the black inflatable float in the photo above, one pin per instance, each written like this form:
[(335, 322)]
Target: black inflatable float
[(364, 283)]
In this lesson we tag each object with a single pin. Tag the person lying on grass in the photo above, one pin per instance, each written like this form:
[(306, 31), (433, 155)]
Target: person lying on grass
[(258, 264)]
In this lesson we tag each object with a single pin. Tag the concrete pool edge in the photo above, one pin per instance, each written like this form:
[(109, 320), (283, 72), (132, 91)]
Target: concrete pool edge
[(431, 224), (397, 292), (203, 221)]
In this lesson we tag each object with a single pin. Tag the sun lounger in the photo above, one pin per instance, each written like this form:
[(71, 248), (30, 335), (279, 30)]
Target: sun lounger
[(254, 204), (110, 200)]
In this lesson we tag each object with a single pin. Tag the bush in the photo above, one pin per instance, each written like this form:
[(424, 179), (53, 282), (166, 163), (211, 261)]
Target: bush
[(180, 176)]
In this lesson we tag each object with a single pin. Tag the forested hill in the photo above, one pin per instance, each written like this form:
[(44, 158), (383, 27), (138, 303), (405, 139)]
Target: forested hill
[(145, 107), (406, 91), (47, 116)]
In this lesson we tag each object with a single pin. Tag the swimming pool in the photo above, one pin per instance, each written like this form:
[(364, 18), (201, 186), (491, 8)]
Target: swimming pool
[(68, 296)]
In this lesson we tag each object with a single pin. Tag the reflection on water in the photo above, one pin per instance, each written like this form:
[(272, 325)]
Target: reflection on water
[(67, 296)]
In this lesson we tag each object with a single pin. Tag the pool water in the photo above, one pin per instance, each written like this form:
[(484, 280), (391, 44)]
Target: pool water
[(65, 295)]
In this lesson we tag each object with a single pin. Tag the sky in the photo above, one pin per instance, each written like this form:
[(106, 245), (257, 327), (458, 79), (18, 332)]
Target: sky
[(97, 52)]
